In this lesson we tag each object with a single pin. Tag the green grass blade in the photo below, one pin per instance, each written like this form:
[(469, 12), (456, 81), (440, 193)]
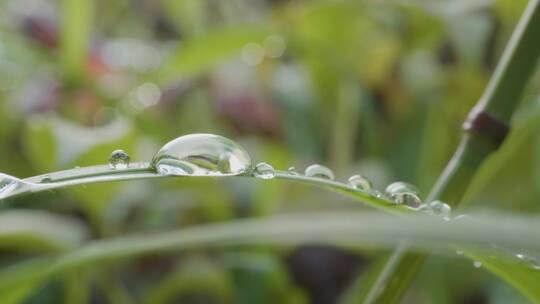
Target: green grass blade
[(359, 229), (498, 102)]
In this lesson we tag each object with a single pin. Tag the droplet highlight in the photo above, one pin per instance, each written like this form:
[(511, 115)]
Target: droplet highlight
[(201, 155), (404, 193), (529, 260), (360, 182), (119, 159), (264, 171), (477, 264), (292, 171), (319, 171)]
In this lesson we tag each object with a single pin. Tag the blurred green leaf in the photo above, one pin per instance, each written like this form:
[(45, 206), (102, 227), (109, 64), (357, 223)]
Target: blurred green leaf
[(77, 19), (199, 54), (351, 228), (260, 278), (39, 230), (197, 279)]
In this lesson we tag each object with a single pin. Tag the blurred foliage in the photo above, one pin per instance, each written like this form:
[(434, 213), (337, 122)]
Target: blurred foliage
[(378, 87)]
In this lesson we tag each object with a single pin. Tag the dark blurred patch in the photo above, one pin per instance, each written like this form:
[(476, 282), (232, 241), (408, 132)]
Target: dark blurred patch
[(478, 297), (325, 272), (50, 292), (153, 267), (164, 29), (250, 115), (41, 30), (447, 55)]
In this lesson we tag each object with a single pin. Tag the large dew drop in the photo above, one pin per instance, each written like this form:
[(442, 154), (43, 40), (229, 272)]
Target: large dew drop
[(10, 185), (404, 193), (319, 171), (201, 155)]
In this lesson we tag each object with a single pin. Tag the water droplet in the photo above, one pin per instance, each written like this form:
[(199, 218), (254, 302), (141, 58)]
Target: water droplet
[(292, 171), (264, 171), (46, 179), (403, 193), (10, 185), (119, 159), (425, 208), (360, 182), (377, 194), (459, 252), (461, 217), (319, 171), (477, 264), (441, 208), (201, 155)]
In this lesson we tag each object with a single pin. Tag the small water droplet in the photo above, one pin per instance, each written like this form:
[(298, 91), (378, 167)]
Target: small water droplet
[(477, 264), (377, 194), (119, 159), (441, 208), (459, 252), (425, 208), (404, 193), (10, 185), (292, 171), (319, 171), (201, 155), (46, 179), (360, 182), (264, 171), (461, 217)]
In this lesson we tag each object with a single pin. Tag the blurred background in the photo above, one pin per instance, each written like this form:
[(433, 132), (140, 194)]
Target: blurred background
[(373, 87)]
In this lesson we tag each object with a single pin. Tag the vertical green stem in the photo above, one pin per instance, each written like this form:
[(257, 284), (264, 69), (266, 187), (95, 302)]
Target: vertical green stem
[(485, 130), (346, 119)]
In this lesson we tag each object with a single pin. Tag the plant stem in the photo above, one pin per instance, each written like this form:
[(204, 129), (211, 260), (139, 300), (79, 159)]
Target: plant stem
[(484, 131)]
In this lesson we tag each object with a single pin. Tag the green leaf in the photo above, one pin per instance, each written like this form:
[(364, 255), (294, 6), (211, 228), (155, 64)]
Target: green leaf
[(39, 230), (518, 274), (509, 178), (359, 229)]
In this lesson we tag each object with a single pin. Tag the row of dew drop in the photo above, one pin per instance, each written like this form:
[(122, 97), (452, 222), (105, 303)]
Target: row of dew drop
[(397, 193), (214, 155)]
